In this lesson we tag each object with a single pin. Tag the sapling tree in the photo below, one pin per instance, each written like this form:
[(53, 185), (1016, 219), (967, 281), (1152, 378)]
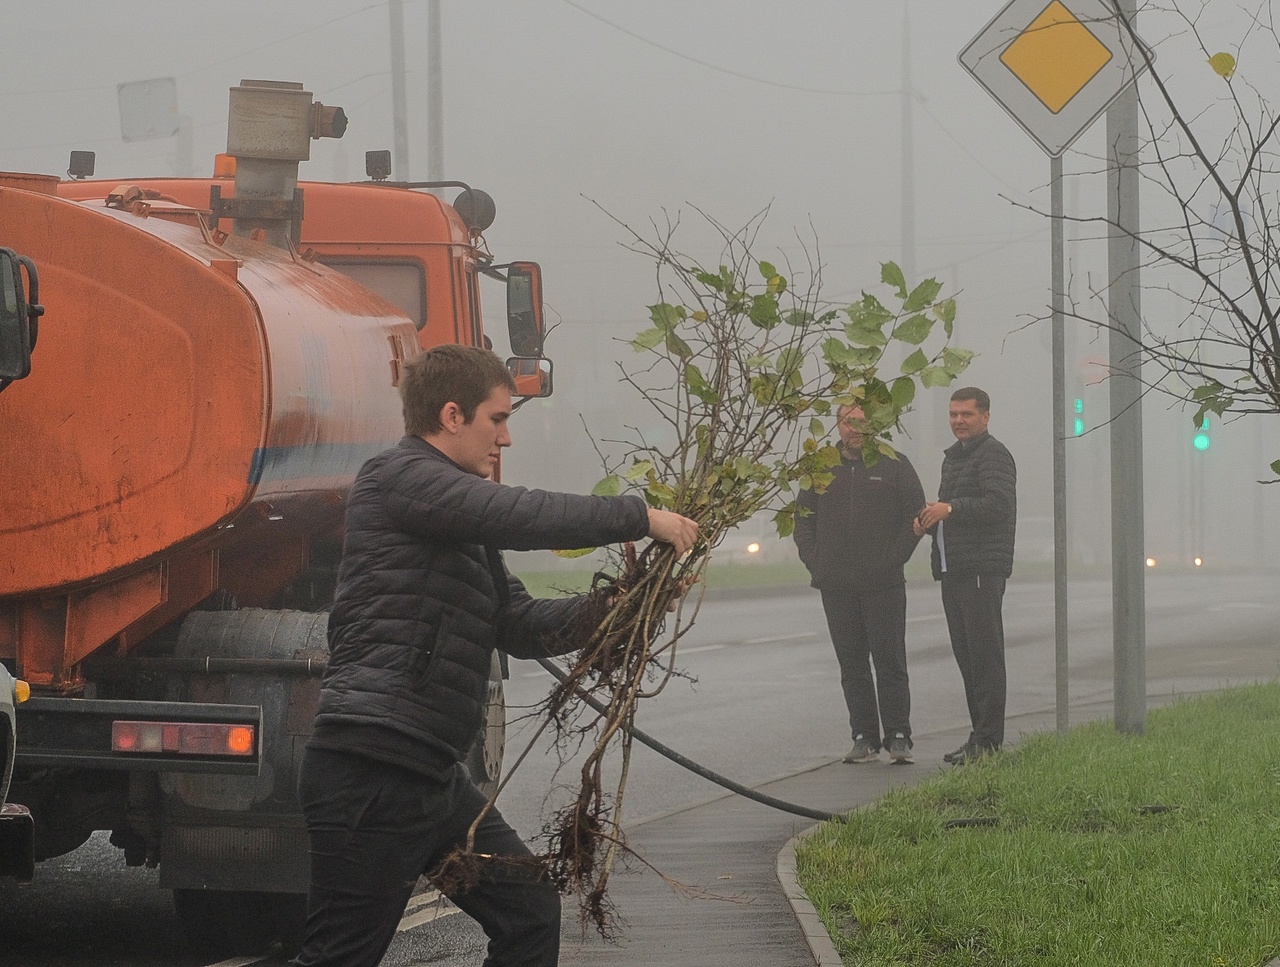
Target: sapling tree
[(742, 364)]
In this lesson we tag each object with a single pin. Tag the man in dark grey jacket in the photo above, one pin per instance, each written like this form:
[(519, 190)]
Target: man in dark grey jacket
[(972, 523), (854, 541), (423, 599)]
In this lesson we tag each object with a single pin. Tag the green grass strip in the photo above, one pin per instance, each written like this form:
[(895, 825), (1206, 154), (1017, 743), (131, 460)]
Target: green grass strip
[(1093, 848)]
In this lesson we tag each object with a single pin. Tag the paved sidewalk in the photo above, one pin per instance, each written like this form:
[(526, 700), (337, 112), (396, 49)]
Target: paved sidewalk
[(733, 910)]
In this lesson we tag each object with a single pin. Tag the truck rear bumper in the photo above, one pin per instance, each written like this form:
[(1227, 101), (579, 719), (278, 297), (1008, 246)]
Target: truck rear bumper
[(76, 733)]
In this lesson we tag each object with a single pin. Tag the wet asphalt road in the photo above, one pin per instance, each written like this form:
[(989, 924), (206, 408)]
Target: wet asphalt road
[(761, 700)]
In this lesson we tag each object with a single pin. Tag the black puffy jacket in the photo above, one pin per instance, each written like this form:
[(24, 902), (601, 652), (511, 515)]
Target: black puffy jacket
[(858, 533), (417, 611), (979, 481)]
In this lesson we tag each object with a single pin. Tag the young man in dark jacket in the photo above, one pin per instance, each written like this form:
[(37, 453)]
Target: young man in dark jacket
[(423, 599), (854, 541), (972, 523)]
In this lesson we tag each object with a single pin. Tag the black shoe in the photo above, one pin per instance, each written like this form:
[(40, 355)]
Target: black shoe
[(864, 750), (959, 753), (971, 753)]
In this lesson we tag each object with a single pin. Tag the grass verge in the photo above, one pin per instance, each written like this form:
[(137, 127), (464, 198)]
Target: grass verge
[(1102, 849)]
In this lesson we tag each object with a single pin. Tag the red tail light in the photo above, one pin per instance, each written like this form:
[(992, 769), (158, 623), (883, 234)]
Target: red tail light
[(189, 738)]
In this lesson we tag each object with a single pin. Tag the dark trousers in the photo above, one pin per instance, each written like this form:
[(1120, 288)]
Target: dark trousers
[(973, 604), (374, 828), (867, 627)]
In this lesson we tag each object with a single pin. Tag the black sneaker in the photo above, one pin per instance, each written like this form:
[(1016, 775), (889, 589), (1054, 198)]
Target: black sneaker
[(899, 747), (864, 750), (958, 754), (972, 753)]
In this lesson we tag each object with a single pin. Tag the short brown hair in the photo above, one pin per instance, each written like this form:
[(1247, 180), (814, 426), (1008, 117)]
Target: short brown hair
[(979, 396), (464, 375)]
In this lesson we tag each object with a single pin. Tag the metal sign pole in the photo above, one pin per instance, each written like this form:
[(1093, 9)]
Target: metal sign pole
[(1059, 447), (1128, 559)]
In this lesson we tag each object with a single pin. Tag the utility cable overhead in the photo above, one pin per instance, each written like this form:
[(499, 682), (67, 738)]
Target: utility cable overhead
[(723, 70)]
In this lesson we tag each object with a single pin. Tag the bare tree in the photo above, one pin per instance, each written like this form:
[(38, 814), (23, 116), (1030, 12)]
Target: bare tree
[(1210, 170)]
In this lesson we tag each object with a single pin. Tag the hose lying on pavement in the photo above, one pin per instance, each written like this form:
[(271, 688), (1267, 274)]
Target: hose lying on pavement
[(678, 759)]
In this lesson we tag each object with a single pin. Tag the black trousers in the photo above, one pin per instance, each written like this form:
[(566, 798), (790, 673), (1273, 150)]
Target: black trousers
[(374, 828), (871, 627), (973, 604)]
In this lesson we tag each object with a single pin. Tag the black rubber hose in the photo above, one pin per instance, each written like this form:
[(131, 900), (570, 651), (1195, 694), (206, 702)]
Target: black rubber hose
[(678, 759)]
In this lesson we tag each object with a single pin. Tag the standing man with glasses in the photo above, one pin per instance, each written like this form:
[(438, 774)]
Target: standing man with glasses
[(855, 539)]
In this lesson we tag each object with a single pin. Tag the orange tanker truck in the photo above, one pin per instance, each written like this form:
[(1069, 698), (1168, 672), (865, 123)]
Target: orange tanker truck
[(216, 359)]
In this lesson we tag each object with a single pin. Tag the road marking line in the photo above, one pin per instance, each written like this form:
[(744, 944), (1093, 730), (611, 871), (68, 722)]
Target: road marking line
[(768, 641), (242, 961), (434, 912), (690, 651)]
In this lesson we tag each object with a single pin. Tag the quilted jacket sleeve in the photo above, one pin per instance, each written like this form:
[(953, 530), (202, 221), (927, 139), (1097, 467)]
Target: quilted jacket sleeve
[(437, 501)]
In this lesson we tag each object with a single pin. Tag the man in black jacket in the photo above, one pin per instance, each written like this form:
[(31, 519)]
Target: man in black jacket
[(972, 523), (854, 541), (423, 599)]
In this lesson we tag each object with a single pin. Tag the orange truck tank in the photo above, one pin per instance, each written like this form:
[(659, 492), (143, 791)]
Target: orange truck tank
[(215, 360)]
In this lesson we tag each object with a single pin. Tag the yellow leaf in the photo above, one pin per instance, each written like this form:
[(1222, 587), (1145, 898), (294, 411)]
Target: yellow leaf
[(1223, 64), (576, 552), (699, 316)]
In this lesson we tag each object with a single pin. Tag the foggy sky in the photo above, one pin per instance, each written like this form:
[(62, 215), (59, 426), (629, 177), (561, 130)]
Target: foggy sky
[(561, 108)]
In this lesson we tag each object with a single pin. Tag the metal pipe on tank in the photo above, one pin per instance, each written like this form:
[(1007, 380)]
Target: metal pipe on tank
[(270, 125)]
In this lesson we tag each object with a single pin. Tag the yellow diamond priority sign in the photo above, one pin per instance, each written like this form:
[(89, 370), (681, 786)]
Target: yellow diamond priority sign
[(1055, 65)]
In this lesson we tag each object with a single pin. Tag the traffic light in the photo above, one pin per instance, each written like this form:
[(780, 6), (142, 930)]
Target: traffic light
[(1078, 426), (1201, 439)]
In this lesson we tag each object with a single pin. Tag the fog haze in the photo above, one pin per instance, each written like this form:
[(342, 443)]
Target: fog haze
[(850, 119)]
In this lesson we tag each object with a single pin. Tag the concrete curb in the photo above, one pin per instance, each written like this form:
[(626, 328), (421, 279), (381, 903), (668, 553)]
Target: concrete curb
[(811, 925)]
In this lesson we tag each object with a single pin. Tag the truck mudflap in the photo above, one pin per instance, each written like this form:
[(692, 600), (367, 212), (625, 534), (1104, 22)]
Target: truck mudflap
[(199, 737), (17, 842)]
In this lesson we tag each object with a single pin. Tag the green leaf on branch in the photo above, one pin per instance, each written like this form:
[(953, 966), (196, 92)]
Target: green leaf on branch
[(610, 486), (698, 385), (922, 295), (648, 340), (915, 362), (785, 521), (767, 270), (946, 311), (913, 330), (1275, 467), (659, 494), (890, 274), (639, 471), (839, 353), (934, 376), (678, 347), (903, 391), (798, 317), (666, 317), (956, 361), (790, 359), (865, 336), (816, 429), (868, 314), (710, 279), (764, 311)]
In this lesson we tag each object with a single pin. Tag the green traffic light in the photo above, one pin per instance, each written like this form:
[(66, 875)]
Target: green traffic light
[(1201, 440), (1079, 427)]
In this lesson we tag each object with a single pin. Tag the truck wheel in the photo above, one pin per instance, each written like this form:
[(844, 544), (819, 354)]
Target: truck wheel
[(240, 923), (484, 761)]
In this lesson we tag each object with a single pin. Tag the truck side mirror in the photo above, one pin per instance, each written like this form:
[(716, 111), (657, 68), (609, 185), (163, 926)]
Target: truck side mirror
[(18, 315), (532, 375), (524, 308)]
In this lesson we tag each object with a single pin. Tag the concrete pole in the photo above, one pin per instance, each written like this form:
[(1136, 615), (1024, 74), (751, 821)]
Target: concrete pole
[(1128, 559), (435, 95), (399, 109), (1059, 285)]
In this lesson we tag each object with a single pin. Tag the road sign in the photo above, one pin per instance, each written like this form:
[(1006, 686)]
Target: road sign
[(1055, 66)]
